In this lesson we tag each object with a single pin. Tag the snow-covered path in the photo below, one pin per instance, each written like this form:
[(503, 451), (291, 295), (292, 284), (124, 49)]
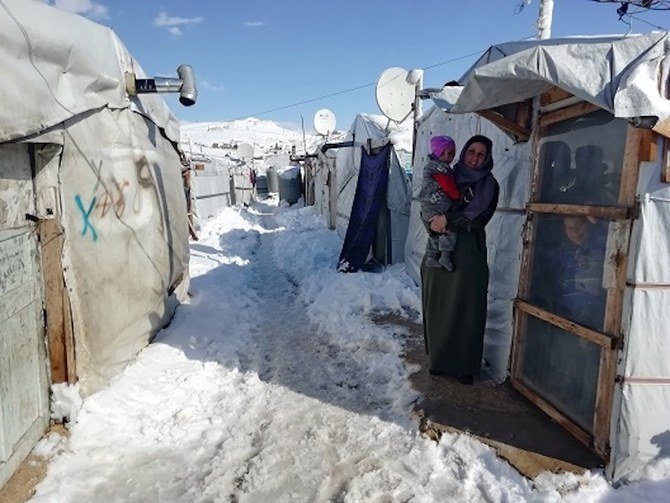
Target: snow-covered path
[(272, 384)]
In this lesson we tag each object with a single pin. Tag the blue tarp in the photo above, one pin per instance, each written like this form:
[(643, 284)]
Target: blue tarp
[(368, 200)]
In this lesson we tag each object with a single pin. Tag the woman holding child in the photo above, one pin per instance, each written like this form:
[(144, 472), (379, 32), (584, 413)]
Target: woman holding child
[(454, 288)]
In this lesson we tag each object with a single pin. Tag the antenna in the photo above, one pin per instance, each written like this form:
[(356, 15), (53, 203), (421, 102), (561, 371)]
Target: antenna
[(395, 93), (324, 122), (245, 151)]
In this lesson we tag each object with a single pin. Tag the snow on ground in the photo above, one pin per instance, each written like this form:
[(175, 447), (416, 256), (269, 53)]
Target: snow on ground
[(272, 384)]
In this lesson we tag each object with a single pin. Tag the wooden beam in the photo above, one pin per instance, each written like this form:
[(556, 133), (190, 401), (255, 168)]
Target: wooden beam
[(603, 340), (522, 133), (554, 95), (606, 212), (665, 168), (56, 301), (603, 406), (631, 166), (648, 147), (662, 128), (567, 113)]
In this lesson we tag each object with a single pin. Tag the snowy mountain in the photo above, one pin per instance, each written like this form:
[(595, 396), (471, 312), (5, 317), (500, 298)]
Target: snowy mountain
[(267, 137)]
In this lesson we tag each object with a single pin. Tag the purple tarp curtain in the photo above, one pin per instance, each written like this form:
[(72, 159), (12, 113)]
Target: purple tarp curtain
[(368, 200)]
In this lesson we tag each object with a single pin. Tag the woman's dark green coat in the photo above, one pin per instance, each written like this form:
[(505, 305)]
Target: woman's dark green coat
[(454, 303)]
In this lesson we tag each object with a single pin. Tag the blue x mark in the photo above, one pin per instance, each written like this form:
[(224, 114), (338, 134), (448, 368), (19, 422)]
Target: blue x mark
[(86, 215)]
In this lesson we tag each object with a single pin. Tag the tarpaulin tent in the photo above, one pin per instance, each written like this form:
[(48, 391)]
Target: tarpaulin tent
[(589, 338), (92, 214), (370, 132)]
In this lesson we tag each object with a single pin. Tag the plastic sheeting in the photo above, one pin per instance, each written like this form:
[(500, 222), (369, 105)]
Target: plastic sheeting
[(126, 241), (640, 426), (398, 195), (58, 65), (620, 76), (512, 169), (116, 184)]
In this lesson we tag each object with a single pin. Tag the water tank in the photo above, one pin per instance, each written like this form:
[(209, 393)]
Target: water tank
[(273, 184), (262, 184), (289, 184)]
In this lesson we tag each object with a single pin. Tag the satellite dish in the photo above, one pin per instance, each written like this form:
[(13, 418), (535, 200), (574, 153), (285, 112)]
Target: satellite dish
[(324, 122), (395, 96), (245, 151)]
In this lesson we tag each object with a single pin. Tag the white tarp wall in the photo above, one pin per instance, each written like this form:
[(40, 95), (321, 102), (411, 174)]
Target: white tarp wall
[(325, 185), (117, 188), (512, 167), (348, 164), (244, 190), (641, 429), (210, 189)]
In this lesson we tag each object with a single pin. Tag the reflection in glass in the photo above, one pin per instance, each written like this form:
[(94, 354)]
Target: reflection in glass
[(567, 268), (562, 368), (581, 159)]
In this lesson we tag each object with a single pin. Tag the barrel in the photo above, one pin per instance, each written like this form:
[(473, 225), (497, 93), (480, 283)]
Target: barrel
[(289, 184), (273, 183)]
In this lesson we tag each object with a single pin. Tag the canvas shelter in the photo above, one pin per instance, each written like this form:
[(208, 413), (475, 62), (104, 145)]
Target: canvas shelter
[(93, 235), (387, 225), (212, 187), (583, 230)]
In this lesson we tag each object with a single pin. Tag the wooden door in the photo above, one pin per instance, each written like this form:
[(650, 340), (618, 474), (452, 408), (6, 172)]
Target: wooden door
[(24, 411), (568, 312)]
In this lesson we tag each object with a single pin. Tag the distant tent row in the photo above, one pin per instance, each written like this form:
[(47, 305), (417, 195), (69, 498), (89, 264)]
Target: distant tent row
[(578, 248)]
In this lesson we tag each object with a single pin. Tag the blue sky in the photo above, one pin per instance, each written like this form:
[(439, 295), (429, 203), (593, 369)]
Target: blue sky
[(258, 55)]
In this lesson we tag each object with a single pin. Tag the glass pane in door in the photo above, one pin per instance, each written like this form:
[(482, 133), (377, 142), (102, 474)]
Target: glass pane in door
[(562, 368)]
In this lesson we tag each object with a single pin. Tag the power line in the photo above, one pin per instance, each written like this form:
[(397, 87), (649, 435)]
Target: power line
[(349, 90)]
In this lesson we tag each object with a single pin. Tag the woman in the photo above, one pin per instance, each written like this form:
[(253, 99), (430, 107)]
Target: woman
[(454, 302)]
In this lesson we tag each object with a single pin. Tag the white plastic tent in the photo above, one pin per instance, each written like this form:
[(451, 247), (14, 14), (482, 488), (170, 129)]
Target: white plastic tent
[(96, 174), (374, 128), (586, 95)]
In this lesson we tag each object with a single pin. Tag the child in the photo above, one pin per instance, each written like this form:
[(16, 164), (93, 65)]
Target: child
[(438, 193)]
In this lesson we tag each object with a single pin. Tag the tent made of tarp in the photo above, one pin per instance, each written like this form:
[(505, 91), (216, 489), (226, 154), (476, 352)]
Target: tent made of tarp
[(211, 187), (590, 343), (321, 184), (370, 132), (92, 214)]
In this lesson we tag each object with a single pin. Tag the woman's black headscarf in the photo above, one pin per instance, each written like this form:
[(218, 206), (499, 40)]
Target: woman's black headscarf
[(480, 180)]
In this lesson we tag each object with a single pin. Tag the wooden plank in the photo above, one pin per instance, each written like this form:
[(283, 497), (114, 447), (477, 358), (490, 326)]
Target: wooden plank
[(524, 114), (553, 95), (604, 398), (51, 238), (665, 168), (581, 435), (662, 128), (631, 166), (603, 340), (648, 145), (566, 113), (522, 133), (606, 212)]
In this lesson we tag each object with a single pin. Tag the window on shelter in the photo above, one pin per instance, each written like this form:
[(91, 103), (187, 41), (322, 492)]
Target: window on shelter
[(581, 159), (567, 270)]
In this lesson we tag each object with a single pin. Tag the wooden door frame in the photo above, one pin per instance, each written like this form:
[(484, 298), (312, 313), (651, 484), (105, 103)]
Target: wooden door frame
[(610, 339)]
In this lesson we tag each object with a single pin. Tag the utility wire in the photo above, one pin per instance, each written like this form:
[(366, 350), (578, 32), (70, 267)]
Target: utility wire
[(344, 91)]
